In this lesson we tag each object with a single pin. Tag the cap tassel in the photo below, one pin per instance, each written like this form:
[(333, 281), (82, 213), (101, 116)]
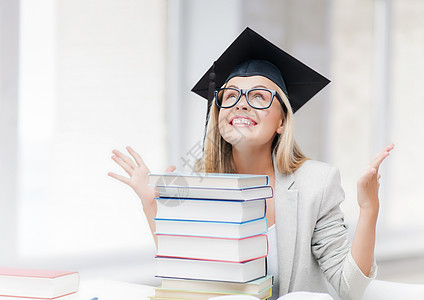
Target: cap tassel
[(211, 88), (211, 92)]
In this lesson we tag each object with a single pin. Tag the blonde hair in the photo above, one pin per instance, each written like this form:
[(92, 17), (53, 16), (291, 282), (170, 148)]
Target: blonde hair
[(217, 153)]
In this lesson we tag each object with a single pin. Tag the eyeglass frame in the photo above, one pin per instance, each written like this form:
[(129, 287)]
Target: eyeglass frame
[(245, 92)]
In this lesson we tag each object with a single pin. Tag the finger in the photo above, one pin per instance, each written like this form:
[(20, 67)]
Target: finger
[(389, 147), (379, 159), (125, 158), (123, 165), (136, 157), (170, 169), (382, 155), (378, 176), (119, 177)]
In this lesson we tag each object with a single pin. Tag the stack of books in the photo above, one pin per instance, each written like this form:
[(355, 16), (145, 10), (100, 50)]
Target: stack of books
[(211, 232)]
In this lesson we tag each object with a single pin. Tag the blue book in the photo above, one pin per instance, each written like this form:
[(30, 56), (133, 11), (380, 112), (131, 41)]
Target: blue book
[(243, 194), (211, 228), (210, 210)]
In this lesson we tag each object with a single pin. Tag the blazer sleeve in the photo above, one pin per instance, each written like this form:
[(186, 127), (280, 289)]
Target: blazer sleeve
[(330, 244)]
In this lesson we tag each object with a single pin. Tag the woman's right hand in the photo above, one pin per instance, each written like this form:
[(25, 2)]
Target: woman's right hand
[(138, 176)]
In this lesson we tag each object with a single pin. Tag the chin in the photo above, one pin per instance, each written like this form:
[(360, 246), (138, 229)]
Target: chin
[(244, 142)]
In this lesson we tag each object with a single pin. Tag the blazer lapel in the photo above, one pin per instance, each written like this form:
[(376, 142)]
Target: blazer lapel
[(285, 197)]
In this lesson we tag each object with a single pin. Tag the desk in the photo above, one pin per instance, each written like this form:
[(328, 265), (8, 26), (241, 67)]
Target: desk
[(117, 290), (111, 290)]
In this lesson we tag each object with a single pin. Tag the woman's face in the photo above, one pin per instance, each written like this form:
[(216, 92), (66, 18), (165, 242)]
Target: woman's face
[(243, 126)]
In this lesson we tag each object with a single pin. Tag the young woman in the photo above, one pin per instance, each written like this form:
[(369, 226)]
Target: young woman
[(250, 131)]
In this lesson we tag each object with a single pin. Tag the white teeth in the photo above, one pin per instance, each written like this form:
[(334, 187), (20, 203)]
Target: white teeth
[(242, 121)]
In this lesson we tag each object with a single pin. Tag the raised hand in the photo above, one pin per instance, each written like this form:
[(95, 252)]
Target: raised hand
[(137, 171), (138, 180), (368, 184), (367, 188)]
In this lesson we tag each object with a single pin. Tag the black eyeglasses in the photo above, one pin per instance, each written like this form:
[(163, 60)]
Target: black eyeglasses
[(258, 98)]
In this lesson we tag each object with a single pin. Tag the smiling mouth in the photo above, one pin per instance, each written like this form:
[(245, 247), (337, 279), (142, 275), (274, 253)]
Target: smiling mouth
[(242, 122)]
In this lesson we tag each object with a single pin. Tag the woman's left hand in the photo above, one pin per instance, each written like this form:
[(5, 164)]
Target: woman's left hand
[(368, 183)]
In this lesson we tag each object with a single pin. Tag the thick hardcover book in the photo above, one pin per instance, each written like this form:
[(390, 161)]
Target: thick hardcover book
[(42, 284), (161, 293), (207, 248), (210, 210), (252, 287), (211, 228), (218, 180), (210, 270), (242, 194)]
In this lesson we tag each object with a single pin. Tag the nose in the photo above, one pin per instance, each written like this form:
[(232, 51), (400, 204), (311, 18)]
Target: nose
[(242, 103)]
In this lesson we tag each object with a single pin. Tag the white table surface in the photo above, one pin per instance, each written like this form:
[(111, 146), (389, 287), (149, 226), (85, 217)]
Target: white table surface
[(117, 290), (111, 290)]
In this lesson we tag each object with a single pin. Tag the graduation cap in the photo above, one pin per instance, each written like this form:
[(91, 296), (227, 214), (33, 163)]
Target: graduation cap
[(251, 54)]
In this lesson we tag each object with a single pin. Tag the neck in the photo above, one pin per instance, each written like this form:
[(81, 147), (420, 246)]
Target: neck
[(253, 161)]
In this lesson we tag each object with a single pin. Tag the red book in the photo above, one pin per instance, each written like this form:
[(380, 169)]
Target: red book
[(37, 284), (213, 248)]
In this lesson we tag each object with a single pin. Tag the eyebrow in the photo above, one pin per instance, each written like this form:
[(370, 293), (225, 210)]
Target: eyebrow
[(256, 86)]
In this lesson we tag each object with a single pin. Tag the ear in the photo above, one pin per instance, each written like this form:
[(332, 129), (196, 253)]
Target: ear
[(280, 128)]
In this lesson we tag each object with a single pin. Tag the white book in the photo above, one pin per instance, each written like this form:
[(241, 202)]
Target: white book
[(217, 180), (210, 270), (209, 248), (215, 193), (251, 287), (73, 296), (211, 229), (42, 284), (210, 210), (168, 294)]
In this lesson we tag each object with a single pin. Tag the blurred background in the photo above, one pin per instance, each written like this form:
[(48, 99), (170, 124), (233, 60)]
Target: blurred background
[(81, 78)]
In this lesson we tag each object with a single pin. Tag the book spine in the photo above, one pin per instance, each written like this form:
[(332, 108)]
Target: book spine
[(218, 222), (214, 260)]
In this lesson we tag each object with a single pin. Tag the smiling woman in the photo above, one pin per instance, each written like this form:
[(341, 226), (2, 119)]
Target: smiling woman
[(264, 144), (249, 133)]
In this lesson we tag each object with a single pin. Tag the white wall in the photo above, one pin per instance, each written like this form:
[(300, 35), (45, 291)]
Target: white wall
[(406, 90), (93, 76), (9, 28), (202, 37), (352, 94)]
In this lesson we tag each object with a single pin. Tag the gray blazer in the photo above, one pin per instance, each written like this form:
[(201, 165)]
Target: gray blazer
[(312, 241)]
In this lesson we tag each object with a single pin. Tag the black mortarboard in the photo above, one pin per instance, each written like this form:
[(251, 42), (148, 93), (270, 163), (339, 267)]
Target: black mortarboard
[(251, 54)]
